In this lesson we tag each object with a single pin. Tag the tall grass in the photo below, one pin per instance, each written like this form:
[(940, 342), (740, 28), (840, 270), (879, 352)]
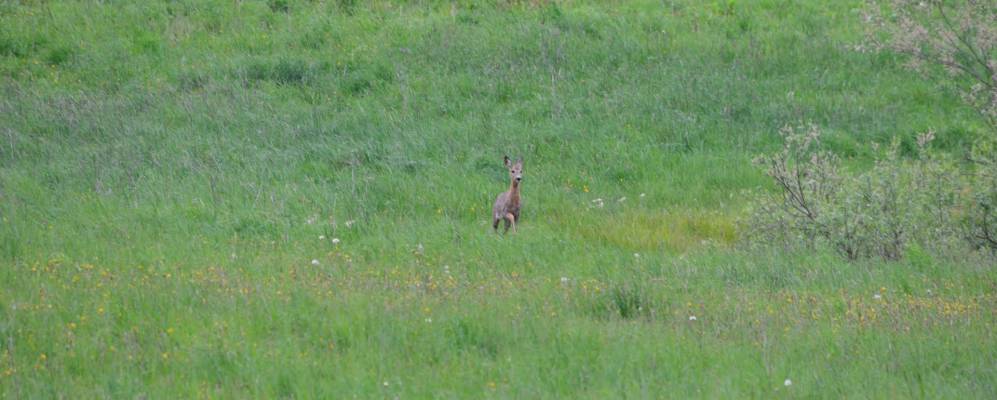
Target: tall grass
[(170, 170)]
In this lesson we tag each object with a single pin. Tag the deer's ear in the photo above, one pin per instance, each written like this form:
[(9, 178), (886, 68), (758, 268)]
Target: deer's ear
[(520, 161), (506, 161)]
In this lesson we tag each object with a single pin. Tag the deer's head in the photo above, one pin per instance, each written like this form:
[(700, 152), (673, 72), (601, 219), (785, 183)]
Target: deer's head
[(515, 169)]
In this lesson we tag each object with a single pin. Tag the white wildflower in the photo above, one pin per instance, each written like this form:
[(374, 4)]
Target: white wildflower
[(315, 262), (788, 382), (335, 240), (692, 317)]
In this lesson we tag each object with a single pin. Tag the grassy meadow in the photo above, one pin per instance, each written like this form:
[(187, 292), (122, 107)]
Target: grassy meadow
[(291, 199)]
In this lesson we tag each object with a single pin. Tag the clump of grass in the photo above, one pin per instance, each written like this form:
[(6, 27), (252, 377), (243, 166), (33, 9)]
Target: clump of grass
[(58, 55), (282, 71), (470, 335), (622, 300), (627, 301), (359, 79), (9, 48), (347, 6), (192, 81), (281, 6)]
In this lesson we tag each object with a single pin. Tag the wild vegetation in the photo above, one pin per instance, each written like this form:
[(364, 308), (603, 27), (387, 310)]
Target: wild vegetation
[(292, 198)]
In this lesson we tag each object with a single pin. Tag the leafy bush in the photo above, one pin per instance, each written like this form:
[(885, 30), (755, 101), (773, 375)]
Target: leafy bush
[(956, 39), (956, 42), (982, 216), (808, 182), (876, 213)]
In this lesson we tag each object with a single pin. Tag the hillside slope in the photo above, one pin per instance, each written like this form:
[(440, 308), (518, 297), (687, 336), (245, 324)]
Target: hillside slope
[(291, 199)]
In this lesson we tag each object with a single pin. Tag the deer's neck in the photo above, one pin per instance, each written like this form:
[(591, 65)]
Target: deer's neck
[(514, 192)]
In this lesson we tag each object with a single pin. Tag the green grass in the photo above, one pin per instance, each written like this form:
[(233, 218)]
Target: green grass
[(168, 167)]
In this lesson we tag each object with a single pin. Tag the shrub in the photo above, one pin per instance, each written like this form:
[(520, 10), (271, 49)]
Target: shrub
[(808, 182), (954, 40), (981, 221), (876, 213)]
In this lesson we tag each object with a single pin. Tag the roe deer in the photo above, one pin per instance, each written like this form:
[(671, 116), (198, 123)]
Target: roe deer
[(507, 203)]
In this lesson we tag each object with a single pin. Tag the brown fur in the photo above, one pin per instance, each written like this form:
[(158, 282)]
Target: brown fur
[(508, 203)]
